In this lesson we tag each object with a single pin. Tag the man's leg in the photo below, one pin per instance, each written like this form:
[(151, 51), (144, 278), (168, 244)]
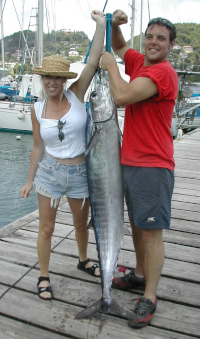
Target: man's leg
[(154, 260), (139, 246), (136, 277)]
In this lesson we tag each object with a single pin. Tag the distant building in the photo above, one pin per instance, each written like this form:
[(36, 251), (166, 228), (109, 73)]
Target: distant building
[(74, 45), (73, 53), (66, 31), (10, 65), (65, 42), (183, 55), (187, 49), (176, 47)]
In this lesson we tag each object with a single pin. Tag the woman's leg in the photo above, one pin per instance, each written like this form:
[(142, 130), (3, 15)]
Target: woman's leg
[(47, 216), (80, 219)]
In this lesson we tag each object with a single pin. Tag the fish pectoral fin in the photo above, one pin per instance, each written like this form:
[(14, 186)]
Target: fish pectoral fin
[(93, 141)]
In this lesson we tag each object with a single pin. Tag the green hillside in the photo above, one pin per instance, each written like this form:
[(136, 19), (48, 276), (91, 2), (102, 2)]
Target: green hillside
[(62, 42), (187, 35)]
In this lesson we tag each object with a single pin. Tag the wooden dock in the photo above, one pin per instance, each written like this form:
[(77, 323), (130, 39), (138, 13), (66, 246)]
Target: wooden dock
[(25, 316)]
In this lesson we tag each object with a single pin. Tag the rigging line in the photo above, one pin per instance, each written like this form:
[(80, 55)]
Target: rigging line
[(176, 11), (93, 37), (47, 16), (9, 288), (23, 4), (2, 11), (54, 17), (54, 21), (164, 8), (89, 6), (51, 16), (105, 5), (24, 57), (22, 33), (82, 10), (149, 10)]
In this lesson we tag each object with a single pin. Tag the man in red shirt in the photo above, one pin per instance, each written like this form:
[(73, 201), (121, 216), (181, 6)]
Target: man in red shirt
[(147, 151)]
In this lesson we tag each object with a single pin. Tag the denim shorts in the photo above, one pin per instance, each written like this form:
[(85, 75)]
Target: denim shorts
[(148, 193), (55, 180)]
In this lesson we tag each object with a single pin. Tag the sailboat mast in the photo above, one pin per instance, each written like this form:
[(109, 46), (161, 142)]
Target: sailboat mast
[(132, 24), (2, 37), (40, 32)]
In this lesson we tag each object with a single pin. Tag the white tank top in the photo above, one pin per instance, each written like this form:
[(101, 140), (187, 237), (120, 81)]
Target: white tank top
[(74, 129)]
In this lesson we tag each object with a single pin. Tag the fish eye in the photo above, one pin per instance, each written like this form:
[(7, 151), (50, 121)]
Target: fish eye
[(93, 94)]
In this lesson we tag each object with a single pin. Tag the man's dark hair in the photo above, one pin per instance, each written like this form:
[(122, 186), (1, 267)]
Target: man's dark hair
[(163, 22)]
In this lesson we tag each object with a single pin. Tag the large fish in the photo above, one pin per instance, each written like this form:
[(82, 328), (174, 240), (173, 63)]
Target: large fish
[(105, 188)]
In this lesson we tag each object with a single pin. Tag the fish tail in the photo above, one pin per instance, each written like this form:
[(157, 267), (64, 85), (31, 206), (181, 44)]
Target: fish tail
[(90, 310), (120, 310), (105, 307)]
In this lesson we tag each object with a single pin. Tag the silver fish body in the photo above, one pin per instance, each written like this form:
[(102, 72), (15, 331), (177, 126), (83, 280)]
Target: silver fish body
[(105, 188)]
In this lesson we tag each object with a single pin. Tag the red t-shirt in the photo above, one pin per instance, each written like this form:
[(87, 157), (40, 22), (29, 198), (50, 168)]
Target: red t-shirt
[(147, 139)]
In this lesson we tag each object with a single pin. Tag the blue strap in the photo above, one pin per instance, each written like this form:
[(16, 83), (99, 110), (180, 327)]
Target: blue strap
[(93, 38)]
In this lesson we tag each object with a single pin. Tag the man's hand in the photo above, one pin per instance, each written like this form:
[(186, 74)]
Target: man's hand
[(119, 17), (107, 61)]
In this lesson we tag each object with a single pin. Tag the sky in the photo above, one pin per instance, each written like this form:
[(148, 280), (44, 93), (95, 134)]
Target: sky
[(76, 14)]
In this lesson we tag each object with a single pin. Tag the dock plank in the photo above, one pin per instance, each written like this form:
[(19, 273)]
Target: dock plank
[(182, 292), (172, 236), (59, 318), (24, 315), (68, 246)]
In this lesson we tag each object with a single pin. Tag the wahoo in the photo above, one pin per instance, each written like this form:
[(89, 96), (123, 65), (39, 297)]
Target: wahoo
[(105, 188)]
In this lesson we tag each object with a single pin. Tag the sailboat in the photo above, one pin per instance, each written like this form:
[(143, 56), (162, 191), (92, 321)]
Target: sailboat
[(187, 109), (14, 115)]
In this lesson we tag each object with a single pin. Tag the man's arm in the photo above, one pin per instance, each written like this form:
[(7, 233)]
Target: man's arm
[(119, 45), (125, 94)]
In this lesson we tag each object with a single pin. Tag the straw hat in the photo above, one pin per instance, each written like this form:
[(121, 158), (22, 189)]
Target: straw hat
[(55, 65)]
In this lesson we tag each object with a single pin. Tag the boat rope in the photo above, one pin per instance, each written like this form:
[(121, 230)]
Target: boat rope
[(23, 59), (93, 37), (2, 12), (23, 33), (149, 10), (48, 20), (34, 265)]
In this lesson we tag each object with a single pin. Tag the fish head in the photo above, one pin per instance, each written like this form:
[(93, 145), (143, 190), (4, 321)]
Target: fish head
[(101, 102)]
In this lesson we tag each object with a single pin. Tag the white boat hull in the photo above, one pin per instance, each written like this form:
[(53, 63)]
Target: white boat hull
[(15, 117)]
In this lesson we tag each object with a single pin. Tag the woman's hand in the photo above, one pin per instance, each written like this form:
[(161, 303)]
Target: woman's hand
[(26, 189), (98, 16)]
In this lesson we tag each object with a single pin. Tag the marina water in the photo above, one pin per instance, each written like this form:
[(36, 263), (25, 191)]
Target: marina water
[(14, 168)]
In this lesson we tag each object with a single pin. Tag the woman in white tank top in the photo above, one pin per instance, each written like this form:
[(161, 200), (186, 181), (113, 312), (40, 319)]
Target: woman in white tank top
[(57, 164)]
